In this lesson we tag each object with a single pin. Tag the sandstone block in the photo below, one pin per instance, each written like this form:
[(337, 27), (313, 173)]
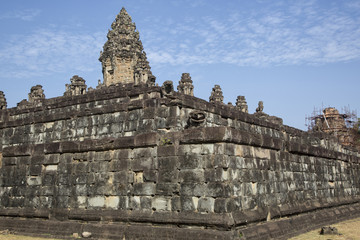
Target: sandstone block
[(192, 175), (34, 180), (146, 188), (112, 202), (206, 204), (161, 203), (96, 202)]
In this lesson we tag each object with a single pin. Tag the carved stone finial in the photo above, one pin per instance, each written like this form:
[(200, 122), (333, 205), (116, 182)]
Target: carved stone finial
[(167, 88), (185, 85), (76, 87), (123, 58), (260, 114), (216, 94), (36, 94), (242, 104), (3, 103), (260, 107)]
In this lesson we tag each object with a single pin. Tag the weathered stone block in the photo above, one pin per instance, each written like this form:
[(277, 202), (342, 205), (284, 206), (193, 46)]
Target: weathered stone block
[(168, 163), (96, 202), (120, 177), (167, 189), (188, 175), (193, 189), (140, 164), (61, 202), (218, 189), (79, 179), (161, 203), (221, 161), (188, 203), (168, 175), (134, 203), (34, 180), (145, 202), (50, 168), (165, 151), (35, 170), (47, 190), (118, 165), (37, 159), (150, 176), (81, 189), (112, 202), (46, 201), (123, 202), (191, 161), (81, 201), (262, 153), (142, 189), (206, 204), (63, 190)]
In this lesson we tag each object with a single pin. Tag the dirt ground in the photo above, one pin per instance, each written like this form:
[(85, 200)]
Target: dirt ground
[(349, 230)]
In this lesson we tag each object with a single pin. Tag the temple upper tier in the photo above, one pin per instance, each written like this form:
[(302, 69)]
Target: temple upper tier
[(123, 57)]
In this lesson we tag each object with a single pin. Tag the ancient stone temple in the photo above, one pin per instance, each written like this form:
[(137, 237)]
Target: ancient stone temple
[(134, 160), (332, 122), (216, 95), (36, 94), (185, 85), (76, 87), (123, 58), (242, 104)]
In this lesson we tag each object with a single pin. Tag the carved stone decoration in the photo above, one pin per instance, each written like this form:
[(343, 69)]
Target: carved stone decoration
[(167, 88), (260, 114), (123, 57), (185, 85), (76, 87), (216, 94), (100, 84), (3, 103), (196, 118), (36, 94), (260, 107), (242, 104), (23, 104)]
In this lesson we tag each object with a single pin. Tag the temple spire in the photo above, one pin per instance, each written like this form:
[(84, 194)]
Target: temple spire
[(123, 57)]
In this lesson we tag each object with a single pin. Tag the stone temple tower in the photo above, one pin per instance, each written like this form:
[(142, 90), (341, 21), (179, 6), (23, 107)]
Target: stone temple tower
[(123, 58)]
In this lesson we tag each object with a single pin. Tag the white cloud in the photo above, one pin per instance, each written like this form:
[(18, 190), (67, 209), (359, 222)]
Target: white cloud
[(47, 51), (25, 15), (282, 34), (299, 33)]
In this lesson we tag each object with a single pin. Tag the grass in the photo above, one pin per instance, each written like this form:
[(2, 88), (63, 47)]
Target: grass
[(349, 230)]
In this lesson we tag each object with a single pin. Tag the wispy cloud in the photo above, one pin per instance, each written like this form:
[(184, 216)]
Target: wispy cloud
[(299, 33), (302, 32), (25, 15), (49, 51)]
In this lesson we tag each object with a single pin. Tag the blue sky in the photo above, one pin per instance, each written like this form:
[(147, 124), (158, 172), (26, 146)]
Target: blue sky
[(293, 55)]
